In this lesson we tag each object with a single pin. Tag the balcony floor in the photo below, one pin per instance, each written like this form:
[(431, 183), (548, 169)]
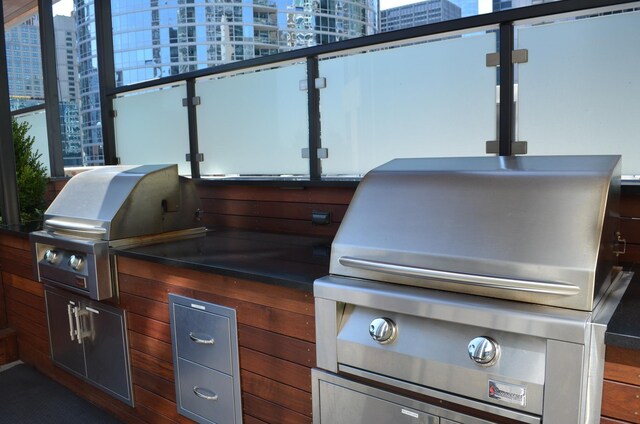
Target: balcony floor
[(27, 396)]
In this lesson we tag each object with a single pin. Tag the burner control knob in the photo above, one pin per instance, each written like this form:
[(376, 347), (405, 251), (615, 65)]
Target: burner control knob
[(75, 261), (383, 330), (50, 256), (484, 351)]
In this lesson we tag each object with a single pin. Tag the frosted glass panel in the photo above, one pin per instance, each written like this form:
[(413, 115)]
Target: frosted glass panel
[(254, 124), (580, 91), (152, 128), (38, 130), (427, 100)]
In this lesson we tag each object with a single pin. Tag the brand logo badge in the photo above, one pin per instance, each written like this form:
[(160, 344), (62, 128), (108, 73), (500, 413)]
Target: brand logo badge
[(509, 393)]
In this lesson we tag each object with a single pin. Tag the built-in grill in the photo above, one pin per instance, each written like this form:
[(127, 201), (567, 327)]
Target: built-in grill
[(111, 206), (471, 290)]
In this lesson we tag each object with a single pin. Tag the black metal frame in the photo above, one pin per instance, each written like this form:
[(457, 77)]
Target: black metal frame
[(9, 206)]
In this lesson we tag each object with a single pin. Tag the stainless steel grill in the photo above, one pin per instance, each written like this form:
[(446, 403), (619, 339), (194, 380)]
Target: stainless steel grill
[(482, 284), (108, 207)]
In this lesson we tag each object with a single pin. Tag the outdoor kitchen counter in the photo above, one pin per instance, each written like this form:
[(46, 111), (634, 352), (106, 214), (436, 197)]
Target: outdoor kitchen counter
[(623, 329), (286, 260)]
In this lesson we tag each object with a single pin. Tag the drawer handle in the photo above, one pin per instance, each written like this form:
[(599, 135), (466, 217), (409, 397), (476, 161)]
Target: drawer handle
[(199, 392), (199, 339)]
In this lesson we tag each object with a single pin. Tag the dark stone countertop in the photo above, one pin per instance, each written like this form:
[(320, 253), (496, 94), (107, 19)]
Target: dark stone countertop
[(296, 261), (286, 260)]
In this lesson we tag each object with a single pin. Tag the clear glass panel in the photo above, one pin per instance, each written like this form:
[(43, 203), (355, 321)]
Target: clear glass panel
[(88, 82), (432, 99), (24, 64), (162, 38), (38, 130), (580, 93), (254, 123), (152, 127), (66, 44)]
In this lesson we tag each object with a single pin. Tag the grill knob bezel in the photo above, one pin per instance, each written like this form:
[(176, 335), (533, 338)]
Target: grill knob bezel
[(383, 330), (484, 351), (76, 262)]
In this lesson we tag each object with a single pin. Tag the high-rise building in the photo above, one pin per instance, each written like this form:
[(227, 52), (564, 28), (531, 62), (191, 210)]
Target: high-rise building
[(414, 14), (467, 7), (24, 72), (154, 39)]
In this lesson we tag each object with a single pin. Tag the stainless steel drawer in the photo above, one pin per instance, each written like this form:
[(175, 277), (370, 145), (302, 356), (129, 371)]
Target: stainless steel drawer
[(206, 393), (204, 338)]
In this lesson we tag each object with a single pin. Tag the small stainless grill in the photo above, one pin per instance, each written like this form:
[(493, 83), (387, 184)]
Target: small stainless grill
[(111, 206), (471, 290)]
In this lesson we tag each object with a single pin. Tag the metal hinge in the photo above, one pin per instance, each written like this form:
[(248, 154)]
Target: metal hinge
[(517, 56), (113, 113), (322, 153), (199, 157), (616, 247), (318, 83), (517, 147), (195, 101)]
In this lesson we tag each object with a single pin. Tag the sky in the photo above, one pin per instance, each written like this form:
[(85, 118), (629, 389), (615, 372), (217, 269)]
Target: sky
[(63, 7)]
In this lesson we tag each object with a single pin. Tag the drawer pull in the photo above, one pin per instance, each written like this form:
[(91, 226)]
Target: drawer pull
[(200, 393), (200, 339)]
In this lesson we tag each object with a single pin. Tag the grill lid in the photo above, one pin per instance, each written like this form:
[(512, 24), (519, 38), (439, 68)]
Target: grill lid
[(534, 229), (114, 202)]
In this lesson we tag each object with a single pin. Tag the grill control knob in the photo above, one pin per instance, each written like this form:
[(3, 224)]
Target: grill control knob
[(383, 330), (50, 256), (484, 351), (75, 262)]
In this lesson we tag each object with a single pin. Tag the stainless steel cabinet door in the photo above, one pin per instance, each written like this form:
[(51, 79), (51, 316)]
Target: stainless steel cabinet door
[(105, 348), (66, 351)]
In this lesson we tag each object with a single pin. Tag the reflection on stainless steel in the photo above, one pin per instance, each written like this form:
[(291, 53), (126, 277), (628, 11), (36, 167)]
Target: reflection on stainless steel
[(485, 283), (108, 207)]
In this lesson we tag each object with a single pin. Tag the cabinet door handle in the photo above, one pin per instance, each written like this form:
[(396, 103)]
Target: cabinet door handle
[(199, 392), (199, 338), (76, 312), (72, 332)]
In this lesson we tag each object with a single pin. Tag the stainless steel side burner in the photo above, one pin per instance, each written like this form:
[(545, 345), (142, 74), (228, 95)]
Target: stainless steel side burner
[(471, 290)]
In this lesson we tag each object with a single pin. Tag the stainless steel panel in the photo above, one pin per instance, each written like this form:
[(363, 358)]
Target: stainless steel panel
[(203, 337), (328, 314), (65, 350), (337, 399), (195, 379), (564, 388), (535, 320), (520, 218), (434, 354), (107, 349), (114, 202)]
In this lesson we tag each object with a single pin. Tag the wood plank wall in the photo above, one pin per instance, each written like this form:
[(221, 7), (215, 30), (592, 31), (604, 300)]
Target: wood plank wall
[(621, 388), (630, 226), (276, 209), (276, 332)]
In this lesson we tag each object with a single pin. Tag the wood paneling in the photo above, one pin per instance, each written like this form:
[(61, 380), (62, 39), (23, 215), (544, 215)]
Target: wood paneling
[(621, 388), (276, 336), (276, 209)]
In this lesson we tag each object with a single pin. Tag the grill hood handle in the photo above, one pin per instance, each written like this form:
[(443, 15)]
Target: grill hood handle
[(563, 289), (79, 227)]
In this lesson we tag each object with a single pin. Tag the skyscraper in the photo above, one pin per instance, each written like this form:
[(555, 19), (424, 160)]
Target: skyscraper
[(155, 39), (421, 13), (24, 66)]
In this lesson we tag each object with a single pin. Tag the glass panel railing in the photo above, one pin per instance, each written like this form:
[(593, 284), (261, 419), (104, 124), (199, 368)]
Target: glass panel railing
[(579, 93), (437, 98), (151, 127), (37, 122), (254, 123)]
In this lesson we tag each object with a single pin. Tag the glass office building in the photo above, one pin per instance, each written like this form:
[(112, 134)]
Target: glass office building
[(154, 39)]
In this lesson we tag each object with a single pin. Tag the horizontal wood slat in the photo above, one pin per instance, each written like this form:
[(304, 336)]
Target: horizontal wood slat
[(276, 369), (279, 225), (277, 345), (630, 230), (270, 412), (24, 284), (237, 288), (630, 206), (154, 384), (150, 327), (284, 210), (328, 195), (621, 401), (622, 365), (278, 393)]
